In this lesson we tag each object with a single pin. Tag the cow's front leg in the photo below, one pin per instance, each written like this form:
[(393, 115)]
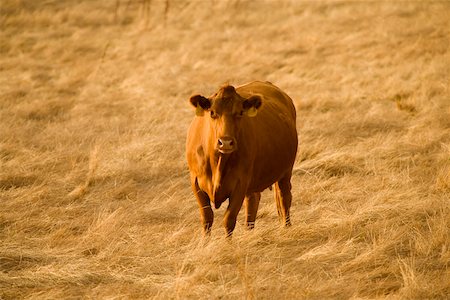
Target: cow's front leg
[(236, 201), (204, 203)]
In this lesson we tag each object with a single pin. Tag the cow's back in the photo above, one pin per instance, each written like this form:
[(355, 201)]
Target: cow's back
[(272, 133)]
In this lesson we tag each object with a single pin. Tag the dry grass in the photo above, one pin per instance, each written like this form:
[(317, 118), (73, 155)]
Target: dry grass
[(95, 199)]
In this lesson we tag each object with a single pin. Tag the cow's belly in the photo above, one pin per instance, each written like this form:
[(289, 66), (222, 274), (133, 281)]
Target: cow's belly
[(273, 166), (260, 182)]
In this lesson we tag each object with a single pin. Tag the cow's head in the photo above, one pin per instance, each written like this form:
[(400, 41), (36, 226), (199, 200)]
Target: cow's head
[(224, 112)]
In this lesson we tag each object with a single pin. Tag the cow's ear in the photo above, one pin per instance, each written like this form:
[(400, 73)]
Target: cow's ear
[(200, 103), (251, 105)]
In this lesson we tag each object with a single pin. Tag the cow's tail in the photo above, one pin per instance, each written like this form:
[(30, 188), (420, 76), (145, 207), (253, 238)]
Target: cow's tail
[(278, 199)]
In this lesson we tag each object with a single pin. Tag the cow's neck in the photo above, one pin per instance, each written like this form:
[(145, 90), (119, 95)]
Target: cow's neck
[(218, 164)]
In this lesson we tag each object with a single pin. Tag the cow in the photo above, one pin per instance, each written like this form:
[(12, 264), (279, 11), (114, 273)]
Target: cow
[(242, 141)]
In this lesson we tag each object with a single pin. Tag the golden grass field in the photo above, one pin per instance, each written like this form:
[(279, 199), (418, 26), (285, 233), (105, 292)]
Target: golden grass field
[(95, 200)]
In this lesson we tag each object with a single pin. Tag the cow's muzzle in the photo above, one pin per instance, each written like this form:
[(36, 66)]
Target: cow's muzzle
[(226, 145)]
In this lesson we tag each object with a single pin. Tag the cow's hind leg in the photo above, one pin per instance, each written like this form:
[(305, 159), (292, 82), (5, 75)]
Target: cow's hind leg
[(204, 203), (251, 207), (283, 198)]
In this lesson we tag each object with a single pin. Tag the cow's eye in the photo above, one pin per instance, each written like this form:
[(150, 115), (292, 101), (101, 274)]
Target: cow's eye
[(214, 115)]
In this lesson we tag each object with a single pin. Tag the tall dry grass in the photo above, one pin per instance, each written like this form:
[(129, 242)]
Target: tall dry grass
[(95, 199)]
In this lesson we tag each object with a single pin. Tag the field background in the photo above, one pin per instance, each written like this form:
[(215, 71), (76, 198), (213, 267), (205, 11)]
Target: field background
[(94, 189)]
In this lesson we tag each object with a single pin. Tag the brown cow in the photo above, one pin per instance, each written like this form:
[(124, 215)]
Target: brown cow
[(241, 142)]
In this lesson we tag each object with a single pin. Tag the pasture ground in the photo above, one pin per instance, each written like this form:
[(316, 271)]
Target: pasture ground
[(94, 194)]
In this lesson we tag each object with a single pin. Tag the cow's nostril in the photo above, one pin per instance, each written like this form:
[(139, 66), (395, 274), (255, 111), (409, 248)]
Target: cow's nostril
[(226, 144)]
